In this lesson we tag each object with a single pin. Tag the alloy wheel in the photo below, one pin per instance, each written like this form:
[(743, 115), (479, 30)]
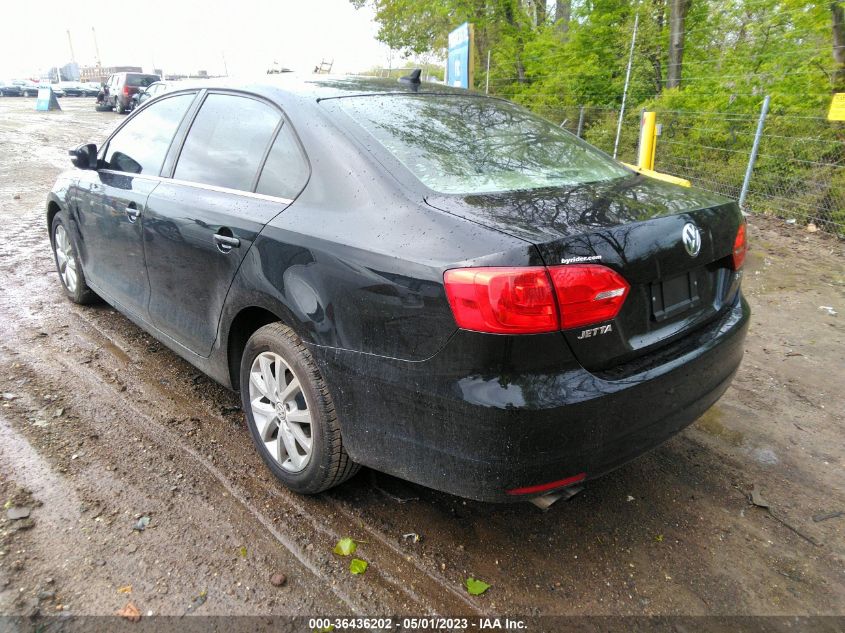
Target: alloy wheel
[(281, 412), (66, 258)]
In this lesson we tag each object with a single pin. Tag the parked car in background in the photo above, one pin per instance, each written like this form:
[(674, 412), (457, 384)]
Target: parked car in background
[(149, 92), (9, 89), (92, 88), (72, 88), (430, 282), (28, 87), (123, 86)]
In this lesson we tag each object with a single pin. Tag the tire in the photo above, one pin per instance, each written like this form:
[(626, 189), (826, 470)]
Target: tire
[(275, 426), (68, 264), (118, 106)]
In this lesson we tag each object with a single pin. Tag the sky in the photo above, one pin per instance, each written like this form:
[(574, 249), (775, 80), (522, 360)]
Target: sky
[(183, 36)]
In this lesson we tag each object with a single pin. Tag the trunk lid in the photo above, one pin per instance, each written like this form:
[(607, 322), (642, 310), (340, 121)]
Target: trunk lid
[(634, 226)]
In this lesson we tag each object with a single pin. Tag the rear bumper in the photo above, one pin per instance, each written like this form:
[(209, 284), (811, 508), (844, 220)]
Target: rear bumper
[(487, 415)]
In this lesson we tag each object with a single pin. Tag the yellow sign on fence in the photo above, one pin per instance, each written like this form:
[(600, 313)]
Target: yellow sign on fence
[(837, 107)]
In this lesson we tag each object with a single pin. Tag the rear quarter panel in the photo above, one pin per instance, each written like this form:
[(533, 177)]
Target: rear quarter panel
[(357, 261)]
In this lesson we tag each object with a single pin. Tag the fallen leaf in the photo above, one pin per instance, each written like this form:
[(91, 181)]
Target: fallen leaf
[(476, 587), (142, 524), (125, 589), (345, 547), (198, 601), (358, 566), (659, 538), (242, 551), (130, 612)]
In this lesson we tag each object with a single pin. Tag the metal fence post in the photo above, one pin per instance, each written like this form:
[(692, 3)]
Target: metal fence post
[(487, 76), (627, 81), (754, 149), (580, 122)]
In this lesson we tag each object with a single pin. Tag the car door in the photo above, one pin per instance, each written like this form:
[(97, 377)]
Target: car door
[(110, 225), (200, 224)]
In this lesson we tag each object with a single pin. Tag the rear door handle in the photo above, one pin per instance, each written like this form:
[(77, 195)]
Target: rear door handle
[(226, 243), (132, 212)]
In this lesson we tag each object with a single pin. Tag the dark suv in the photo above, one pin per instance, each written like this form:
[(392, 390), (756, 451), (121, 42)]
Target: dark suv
[(123, 86), (430, 282)]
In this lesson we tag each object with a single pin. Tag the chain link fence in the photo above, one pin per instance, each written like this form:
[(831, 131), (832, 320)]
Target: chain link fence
[(798, 175)]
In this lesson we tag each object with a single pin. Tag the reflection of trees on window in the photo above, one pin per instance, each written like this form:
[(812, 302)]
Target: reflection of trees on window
[(470, 144)]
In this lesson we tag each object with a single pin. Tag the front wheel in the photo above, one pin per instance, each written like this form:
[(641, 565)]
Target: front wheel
[(290, 413), (67, 263)]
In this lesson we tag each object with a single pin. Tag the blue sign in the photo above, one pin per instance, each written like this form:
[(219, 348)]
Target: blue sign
[(459, 61), (46, 100)]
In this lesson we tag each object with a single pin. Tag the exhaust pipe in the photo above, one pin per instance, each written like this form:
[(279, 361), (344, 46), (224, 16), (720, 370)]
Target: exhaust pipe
[(546, 501)]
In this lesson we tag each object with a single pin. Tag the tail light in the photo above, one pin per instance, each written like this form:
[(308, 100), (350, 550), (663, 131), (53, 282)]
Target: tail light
[(588, 294), (502, 300), (126, 90), (740, 247), (535, 299)]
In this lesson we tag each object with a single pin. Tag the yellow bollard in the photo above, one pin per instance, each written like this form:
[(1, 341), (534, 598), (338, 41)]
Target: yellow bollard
[(648, 145), (648, 141)]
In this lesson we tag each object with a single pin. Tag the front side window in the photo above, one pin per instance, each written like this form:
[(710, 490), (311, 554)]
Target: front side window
[(463, 144), (139, 147), (286, 170), (227, 142)]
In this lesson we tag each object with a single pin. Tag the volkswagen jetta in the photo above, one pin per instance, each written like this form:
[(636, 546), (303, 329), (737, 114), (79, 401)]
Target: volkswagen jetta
[(426, 281)]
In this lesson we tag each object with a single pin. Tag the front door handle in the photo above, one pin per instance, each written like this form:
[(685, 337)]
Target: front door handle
[(132, 212), (226, 243)]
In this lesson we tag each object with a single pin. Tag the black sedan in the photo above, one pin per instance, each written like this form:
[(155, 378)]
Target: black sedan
[(423, 280), (10, 89)]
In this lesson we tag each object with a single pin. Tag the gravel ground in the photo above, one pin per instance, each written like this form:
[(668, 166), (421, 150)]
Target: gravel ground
[(100, 425)]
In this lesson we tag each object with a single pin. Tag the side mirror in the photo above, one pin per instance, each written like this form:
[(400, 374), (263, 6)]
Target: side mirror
[(84, 156)]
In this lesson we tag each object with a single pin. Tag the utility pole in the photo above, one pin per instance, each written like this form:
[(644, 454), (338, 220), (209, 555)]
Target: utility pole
[(625, 90)]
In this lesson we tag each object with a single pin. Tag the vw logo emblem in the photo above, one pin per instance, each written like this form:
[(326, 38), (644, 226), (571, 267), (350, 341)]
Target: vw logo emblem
[(691, 238)]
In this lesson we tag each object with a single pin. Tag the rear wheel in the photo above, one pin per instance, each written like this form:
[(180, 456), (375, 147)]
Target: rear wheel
[(290, 413), (67, 263), (118, 106)]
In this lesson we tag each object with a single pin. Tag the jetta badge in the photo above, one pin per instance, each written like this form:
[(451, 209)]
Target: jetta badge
[(691, 237)]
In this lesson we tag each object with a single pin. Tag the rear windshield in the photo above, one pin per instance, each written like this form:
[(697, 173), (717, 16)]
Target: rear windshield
[(141, 80), (465, 144)]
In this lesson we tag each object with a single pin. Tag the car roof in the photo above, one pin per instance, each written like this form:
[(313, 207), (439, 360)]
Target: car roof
[(316, 87)]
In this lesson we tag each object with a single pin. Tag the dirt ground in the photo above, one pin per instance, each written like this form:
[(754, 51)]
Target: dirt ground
[(100, 425)]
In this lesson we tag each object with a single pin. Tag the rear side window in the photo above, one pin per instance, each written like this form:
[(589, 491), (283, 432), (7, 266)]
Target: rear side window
[(141, 80), (227, 142), (286, 170), (139, 147)]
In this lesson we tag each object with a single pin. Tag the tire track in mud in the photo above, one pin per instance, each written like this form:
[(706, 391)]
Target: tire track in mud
[(100, 373)]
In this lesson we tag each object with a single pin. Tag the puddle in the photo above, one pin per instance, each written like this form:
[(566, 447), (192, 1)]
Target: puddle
[(115, 351), (765, 456), (711, 423)]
